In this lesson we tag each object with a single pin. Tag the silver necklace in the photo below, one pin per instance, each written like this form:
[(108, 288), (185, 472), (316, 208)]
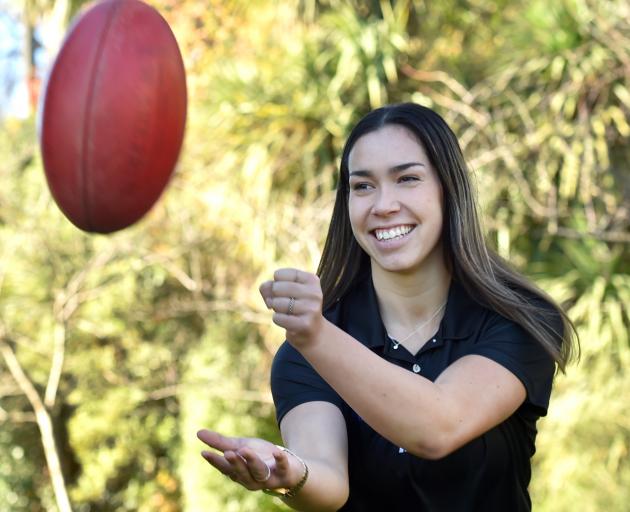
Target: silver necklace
[(417, 328)]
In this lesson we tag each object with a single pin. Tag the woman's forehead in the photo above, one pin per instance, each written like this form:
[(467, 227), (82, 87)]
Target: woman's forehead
[(388, 146)]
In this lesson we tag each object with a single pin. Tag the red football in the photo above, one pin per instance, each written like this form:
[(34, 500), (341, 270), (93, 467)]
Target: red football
[(113, 117)]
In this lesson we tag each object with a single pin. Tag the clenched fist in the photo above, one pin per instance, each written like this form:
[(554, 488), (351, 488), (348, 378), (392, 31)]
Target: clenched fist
[(295, 297)]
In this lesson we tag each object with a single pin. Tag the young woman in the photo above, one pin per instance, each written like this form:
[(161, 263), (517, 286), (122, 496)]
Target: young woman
[(418, 362)]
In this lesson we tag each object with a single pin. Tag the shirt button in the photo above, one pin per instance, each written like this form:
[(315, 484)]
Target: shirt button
[(416, 368)]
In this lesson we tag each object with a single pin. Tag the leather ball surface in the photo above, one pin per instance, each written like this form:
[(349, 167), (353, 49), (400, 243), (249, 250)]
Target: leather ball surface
[(113, 115)]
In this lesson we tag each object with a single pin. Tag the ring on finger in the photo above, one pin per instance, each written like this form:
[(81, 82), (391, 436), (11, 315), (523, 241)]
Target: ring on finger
[(262, 480), (291, 305)]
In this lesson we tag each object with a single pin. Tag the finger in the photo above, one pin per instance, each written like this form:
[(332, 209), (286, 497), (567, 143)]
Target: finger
[(288, 322), (238, 467), (284, 304), (266, 290), (259, 470), (218, 441), (282, 462), (289, 289), (218, 461), (290, 274)]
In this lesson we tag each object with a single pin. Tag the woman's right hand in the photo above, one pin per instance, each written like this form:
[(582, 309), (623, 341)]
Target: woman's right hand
[(254, 463)]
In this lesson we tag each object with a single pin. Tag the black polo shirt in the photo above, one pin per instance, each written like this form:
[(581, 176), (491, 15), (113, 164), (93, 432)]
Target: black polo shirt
[(491, 472)]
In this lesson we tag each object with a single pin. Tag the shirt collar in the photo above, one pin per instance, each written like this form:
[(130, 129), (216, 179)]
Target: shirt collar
[(358, 314)]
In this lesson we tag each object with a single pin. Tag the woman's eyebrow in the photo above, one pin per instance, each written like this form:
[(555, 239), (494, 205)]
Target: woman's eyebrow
[(392, 170)]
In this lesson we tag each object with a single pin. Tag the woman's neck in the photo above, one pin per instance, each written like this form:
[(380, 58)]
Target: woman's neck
[(405, 300)]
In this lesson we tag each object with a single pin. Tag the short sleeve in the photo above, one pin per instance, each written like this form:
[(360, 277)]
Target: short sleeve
[(509, 345), (294, 382)]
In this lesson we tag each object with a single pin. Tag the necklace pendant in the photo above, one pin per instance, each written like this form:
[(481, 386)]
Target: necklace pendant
[(395, 344)]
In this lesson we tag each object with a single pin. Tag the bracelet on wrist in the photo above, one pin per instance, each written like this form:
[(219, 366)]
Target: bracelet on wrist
[(291, 491)]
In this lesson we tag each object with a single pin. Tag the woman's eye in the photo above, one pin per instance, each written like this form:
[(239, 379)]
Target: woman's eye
[(360, 186), (409, 178)]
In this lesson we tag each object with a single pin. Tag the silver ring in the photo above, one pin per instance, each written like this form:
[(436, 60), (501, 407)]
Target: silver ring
[(266, 478), (291, 305)]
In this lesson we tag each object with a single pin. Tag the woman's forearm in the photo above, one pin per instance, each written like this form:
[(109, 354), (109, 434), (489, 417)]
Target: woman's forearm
[(325, 489), (396, 403)]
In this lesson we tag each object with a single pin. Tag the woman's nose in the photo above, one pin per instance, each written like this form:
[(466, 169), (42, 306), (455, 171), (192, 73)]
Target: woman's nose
[(385, 202)]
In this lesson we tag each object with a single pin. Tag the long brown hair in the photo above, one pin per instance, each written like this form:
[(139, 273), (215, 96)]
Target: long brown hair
[(484, 274)]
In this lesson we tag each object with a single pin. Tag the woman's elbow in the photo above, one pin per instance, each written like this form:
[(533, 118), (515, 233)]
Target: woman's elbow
[(342, 496), (434, 448), (339, 500), (332, 502)]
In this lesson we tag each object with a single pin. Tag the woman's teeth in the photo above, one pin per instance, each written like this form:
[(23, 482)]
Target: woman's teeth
[(388, 234)]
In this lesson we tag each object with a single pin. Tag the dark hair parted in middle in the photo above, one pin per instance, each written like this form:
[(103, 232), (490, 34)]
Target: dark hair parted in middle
[(487, 277)]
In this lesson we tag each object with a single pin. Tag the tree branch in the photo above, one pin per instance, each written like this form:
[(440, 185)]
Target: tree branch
[(66, 303), (606, 236), (43, 422)]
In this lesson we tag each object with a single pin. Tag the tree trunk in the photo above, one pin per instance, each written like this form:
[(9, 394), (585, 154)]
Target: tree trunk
[(43, 422), (30, 46)]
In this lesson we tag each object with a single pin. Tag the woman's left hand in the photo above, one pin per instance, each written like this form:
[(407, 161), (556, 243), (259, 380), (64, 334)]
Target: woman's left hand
[(295, 297), (253, 463)]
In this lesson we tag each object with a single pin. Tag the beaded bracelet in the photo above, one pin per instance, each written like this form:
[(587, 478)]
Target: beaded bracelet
[(290, 492)]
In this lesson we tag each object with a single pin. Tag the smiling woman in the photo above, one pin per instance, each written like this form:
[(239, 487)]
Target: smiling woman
[(418, 363), (395, 202)]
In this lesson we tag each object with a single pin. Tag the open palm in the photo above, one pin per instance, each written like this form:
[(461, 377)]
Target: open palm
[(252, 462)]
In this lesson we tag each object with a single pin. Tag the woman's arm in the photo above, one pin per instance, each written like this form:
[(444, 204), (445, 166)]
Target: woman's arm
[(315, 432), (428, 419)]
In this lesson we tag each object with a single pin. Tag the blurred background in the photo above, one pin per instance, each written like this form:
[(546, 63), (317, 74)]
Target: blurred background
[(115, 350)]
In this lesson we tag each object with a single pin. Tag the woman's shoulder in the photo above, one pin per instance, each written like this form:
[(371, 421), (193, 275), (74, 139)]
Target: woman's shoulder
[(469, 304)]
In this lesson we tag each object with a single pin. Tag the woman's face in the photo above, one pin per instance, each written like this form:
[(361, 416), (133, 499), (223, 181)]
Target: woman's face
[(395, 202)]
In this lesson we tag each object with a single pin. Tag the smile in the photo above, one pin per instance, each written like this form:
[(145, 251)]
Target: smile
[(392, 233)]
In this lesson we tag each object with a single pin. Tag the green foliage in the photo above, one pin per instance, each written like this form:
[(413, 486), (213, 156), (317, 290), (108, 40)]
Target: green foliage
[(161, 327)]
